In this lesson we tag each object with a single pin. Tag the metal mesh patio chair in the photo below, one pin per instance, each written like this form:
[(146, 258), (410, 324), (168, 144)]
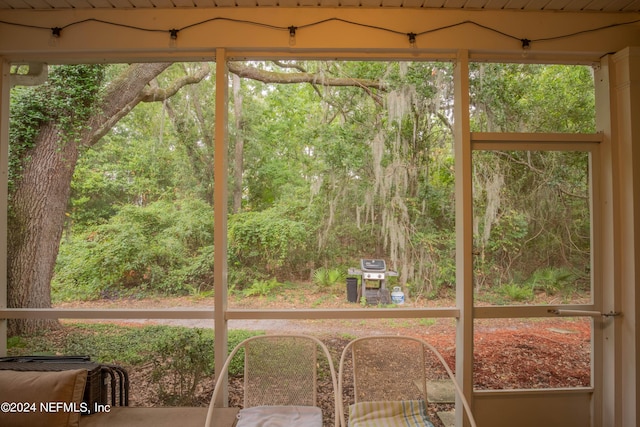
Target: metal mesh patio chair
[(389, 379), (280, 380)]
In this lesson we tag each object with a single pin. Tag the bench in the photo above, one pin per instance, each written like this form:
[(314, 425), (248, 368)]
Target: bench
[(55, 399)]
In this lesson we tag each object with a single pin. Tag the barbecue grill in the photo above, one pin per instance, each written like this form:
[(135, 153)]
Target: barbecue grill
[(373, 274)]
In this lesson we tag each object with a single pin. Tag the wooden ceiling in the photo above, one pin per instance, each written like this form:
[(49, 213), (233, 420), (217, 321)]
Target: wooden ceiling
[(526, 5)]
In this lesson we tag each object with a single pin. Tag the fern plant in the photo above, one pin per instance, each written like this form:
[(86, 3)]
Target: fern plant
[(552, 280), (261, 288), (325, 278)]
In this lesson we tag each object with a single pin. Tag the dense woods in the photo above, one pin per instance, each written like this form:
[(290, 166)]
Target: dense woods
[(330, 162)]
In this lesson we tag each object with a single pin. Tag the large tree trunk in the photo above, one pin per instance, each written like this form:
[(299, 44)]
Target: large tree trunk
[(41, 196), (36, 224)]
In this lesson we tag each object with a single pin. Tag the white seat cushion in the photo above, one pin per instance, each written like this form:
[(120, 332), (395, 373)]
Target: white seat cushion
[(280, 416)]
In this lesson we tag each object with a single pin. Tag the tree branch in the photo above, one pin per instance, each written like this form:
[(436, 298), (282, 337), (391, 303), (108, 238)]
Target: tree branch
[(265, 76), (153, 94)]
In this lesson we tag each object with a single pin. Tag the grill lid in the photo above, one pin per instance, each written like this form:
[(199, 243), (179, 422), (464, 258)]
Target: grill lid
[(377, 265)]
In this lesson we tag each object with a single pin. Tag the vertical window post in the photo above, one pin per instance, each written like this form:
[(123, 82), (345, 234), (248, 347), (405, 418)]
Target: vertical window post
[(464, 227), (220, 216), (4, 188)]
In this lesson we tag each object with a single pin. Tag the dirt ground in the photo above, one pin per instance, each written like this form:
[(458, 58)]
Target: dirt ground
[(508, 353)]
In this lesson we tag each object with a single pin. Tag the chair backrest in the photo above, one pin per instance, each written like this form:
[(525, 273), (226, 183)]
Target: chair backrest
[(388, 369), (280, 370), (391, 368)]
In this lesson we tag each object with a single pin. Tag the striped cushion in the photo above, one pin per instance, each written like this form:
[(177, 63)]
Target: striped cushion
[(403, 413)]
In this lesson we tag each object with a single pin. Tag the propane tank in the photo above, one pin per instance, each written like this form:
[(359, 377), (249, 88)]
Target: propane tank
[(397, 296)]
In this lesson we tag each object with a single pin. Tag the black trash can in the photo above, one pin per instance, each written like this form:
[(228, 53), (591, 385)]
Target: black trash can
[(352, 289)]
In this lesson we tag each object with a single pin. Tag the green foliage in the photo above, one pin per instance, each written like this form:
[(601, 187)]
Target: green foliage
[(110, 343), (163, 247), (269, 241), (517, 98), (139, 162), (276, 136), (508, 233), (331, 176), (515, 292), (324, 277), (67, 98), (553, 280), (181, 358), (538, 214), (262, 288), (437, 261), (197, 292), (16, 343)]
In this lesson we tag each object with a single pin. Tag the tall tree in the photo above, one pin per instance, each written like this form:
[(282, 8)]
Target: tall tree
[(69, 113), (72, 111)]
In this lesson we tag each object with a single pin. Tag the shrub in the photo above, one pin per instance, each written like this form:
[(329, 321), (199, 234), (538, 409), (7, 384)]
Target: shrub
[(324, 277), (162, 247), (182, 359), (262, 288), (516, 292), (269, 242), (552, 280)]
